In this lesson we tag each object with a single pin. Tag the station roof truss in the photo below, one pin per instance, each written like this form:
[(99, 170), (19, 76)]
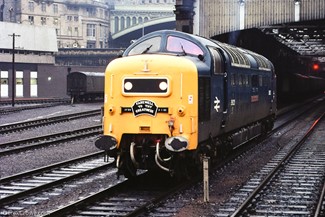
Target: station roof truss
[(307, 39)]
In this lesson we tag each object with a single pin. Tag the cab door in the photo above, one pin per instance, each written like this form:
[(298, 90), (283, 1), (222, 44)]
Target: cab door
[(219, 90)]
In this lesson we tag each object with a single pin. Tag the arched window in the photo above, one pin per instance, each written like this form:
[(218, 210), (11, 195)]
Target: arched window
[(134, 21), (122, 23), (116, 27), (128, 22)]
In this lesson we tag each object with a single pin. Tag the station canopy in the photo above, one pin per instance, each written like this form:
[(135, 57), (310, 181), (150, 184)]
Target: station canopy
[(28, 37), (305, 38)]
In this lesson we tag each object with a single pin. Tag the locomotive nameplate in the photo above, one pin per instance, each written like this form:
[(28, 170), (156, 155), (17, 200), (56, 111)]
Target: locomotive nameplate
[(144, 107)]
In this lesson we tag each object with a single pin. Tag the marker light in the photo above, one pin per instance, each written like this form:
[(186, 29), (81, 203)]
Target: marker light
[(315, 66)]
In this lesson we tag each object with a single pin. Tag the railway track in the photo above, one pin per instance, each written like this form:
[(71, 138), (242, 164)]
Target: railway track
[(286, 121), (141, 200), (129, 198), (9, 128), (286, 186), (30, 104), (23, 186), (41, 141)]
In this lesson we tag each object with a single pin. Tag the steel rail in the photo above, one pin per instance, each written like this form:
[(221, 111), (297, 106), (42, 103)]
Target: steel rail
[(48, 139), (14, 197), (6, 128), (281, 164)]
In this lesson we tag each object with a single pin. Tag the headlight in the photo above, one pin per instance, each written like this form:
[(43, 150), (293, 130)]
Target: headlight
[(128, 86), (163, 85)]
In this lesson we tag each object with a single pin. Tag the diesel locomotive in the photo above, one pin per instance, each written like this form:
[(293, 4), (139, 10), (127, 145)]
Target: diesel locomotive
[(173, 98)]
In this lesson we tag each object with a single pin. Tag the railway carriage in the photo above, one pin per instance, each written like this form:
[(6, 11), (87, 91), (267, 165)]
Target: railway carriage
[(85, 86), (174, 97)]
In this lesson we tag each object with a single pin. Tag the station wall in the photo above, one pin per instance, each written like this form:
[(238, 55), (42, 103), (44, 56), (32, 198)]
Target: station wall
[(39, 81)]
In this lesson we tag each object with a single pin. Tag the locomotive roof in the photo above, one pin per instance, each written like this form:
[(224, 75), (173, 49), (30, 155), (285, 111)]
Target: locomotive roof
[(238, 57)]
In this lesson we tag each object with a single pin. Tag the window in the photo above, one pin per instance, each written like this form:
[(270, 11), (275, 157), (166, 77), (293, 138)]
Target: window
[(31, 6), (238, 58), (233, 80), (176, 44), (19, 81), (76, 31), (218, 62), (101, 13), (56, 21), (134, 20), (33, 84), (128, 22), (122, 23), (55, 8), (240, 79), (91, 30), (116, 26), (266, 81), (91, 12), (33, 78), (4, 80), (43, 7), (91, 44), (147, 46), (255, 81), (4, 85), (69, 30), (246, 82), (31, 19), (69, 18), (43, 20), (76, 18), (33, 81)]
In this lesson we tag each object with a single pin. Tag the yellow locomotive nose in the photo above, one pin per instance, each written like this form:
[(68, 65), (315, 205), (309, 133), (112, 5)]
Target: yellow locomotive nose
[(150, 112)]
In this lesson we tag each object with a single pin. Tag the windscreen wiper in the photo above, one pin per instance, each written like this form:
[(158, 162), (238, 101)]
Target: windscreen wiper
[(184, 52), (146, 50)]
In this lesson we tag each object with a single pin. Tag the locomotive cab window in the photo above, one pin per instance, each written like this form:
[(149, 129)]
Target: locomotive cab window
[(180, 45), (147, 46), (218, 62)]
